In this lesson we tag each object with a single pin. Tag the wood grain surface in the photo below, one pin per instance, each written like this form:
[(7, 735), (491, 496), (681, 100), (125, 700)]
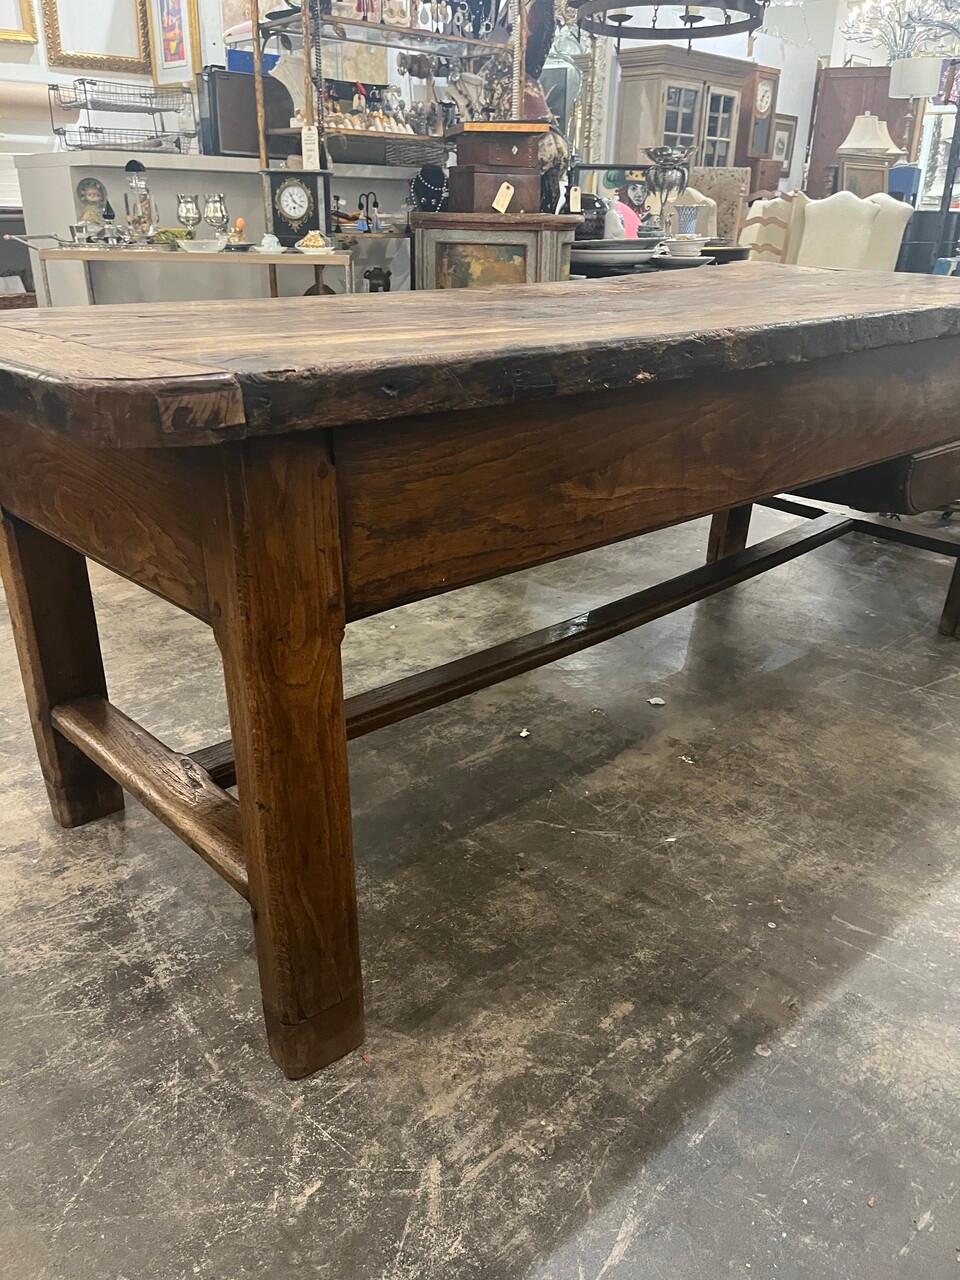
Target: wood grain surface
[(55, 627), (135, 512), (202, 372), (276, 594), (172, 786), (430, 504)]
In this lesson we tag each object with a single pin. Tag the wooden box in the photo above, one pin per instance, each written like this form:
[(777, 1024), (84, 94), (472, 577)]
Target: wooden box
[(508, 145), (474, 188)]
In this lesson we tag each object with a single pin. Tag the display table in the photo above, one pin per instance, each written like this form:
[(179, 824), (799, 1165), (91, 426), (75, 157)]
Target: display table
[(469, 250), (177, 257), (49, 181), (279, 478)]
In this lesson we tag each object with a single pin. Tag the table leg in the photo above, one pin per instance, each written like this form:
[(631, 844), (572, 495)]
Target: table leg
[(88, 281), (45, 277), (277, 602), (729, 531), (55, 628), (950, 618)]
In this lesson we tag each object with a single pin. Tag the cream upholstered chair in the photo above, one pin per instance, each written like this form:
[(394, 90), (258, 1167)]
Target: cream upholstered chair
[(693, 214), (888, 232), (840, 231)]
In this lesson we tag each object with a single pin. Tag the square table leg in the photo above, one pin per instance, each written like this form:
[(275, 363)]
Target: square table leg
[(950, 618), (729, 531), (275, 579), (55, 628)]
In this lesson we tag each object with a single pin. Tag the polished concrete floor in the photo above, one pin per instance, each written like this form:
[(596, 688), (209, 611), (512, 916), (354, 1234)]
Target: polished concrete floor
[(659, 992)]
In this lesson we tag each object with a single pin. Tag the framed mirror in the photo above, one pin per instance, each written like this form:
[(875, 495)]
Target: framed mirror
[(97, 37)]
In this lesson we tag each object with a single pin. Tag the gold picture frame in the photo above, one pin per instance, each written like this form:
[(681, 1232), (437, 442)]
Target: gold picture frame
[(82, 60), (26, 33)]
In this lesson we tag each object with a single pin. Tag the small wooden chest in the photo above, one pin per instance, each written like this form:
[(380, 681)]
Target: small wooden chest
[(500, 144), (473, 189)]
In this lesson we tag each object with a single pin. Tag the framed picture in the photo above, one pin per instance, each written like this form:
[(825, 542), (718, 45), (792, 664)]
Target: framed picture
[(864, 178), (174, 40), (784, 141), (97, 37), (17, 23)]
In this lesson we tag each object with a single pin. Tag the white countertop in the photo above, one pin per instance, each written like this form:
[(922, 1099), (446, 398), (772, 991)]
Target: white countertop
[(156, 160), (149, 159)]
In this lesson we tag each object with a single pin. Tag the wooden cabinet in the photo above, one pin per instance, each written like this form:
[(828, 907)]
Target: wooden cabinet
[(843, 93), (470, 250), (671, 97), (723, 107)]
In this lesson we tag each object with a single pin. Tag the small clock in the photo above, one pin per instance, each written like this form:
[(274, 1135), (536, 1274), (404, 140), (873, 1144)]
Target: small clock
[(92, 199), (299, 202), (764, 98)]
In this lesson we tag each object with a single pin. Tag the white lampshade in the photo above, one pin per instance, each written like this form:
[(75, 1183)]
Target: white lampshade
[(915, 78), (869, 133)]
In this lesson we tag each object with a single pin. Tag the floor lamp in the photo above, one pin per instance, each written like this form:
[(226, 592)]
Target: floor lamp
[(916, 78)]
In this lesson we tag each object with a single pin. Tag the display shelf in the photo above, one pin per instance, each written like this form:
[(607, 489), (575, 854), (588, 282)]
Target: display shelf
[(120, 96), (250, 258), (90, 138), (352, 30)]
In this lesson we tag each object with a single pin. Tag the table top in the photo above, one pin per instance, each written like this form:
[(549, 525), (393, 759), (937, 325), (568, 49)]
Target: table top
[(202, 372), (339, 258)]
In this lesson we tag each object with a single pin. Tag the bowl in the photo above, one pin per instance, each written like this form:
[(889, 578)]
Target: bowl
[(685, 246), (201, 246)]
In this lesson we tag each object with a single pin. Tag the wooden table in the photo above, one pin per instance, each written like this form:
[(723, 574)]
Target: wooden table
[(279, 480), (174, 257)]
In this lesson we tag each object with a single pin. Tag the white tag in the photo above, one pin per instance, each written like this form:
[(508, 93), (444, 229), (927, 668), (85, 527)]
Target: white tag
[(503, 197), (575, 206), (310, 146)]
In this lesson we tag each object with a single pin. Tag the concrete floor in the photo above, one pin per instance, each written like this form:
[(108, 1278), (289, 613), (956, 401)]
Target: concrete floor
[(653, 992)]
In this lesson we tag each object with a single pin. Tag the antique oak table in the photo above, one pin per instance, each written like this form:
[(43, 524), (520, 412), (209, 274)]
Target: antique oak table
[(279, 473)]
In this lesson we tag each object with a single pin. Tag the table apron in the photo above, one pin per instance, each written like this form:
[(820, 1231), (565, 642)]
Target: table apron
[(136, 512), (429, 503)]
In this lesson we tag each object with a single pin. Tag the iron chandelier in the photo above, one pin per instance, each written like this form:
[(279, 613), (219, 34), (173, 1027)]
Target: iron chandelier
[(607, 18)]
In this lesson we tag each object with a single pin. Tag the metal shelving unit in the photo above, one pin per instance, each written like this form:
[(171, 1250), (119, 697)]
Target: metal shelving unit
[(303, 30), (117, 97)]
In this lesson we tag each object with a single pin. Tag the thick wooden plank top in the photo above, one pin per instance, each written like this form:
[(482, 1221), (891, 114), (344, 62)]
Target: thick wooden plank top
[(202, 372)]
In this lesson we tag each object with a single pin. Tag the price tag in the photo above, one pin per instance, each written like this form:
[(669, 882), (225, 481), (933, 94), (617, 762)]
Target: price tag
[(575, 206), (310, 146), (501, 201)]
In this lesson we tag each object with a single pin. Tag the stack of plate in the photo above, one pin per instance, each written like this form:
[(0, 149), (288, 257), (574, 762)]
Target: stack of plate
[(614, 253)]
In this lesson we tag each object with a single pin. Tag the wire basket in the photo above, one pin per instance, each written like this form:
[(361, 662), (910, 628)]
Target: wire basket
[(115, 95), (416, 151), (92, 139), (363, 146)]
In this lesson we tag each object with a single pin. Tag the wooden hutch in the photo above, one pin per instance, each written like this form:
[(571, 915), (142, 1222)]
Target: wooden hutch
[(722, 106)]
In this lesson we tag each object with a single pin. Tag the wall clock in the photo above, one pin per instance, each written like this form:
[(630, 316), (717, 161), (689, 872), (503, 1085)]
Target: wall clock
[(758, 105)]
